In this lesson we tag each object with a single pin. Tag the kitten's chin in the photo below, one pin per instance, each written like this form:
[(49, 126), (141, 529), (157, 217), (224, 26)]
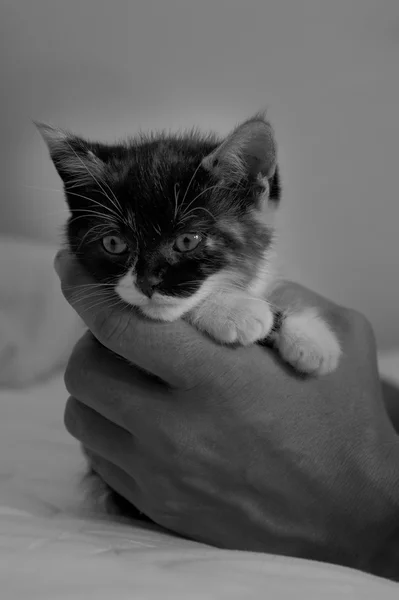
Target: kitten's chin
[(163, 312)]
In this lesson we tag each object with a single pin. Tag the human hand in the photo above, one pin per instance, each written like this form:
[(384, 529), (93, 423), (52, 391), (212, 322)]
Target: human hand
[(227, 447)]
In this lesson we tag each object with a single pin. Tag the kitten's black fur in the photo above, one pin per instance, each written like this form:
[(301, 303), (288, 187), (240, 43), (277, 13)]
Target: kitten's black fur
[(147, 175)]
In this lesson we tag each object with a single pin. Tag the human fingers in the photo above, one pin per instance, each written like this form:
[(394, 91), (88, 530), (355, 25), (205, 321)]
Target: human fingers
[(175, 352), (291, 296), (98, 434), (117, 390), (118, 480)]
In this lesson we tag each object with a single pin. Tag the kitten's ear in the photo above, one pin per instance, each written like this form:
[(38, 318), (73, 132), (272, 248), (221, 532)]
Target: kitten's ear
[(73, 157), (248, 152)]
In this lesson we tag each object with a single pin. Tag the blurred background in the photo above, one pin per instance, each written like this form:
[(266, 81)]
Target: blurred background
[(328, 72)]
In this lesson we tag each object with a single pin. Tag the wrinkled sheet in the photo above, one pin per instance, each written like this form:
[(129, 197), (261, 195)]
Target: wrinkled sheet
[(53, 545)]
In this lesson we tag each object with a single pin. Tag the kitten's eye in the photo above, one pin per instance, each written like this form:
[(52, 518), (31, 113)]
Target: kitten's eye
[(114, 244), (187, 242)]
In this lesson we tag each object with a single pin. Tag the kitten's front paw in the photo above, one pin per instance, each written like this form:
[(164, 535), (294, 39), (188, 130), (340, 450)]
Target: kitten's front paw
[(307, 343), (236, 321)]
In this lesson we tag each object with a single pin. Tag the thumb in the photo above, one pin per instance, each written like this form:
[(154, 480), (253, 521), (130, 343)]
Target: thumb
[(175, 352)]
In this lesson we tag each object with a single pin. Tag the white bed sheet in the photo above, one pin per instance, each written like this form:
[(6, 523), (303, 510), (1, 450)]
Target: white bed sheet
[(53, 546)]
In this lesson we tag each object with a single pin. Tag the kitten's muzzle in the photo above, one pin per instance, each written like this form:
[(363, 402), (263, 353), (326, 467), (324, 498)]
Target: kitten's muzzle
[(147, 284)]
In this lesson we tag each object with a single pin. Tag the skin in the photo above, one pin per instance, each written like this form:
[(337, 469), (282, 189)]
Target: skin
[(229, 447)]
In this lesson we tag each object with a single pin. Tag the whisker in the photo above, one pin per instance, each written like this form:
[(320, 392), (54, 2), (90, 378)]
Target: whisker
[(196, 197), (97, 305), (115, 204), (92, 288), (87, 168), (176, 193), (189, 184), (84, 294), (118, 302), (100, 301), (130, 221), (103, 230), (89, 285), (187, 215), (157, 229), (94, 178), (117, 215), (81, 298), (92, 213)]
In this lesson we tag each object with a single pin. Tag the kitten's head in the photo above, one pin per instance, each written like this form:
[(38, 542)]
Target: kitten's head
[(166, 220)]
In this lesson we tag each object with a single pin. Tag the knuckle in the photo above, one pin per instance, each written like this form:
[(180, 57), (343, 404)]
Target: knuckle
[(71, 418), (358, 324), (72, 376), (78, 366), (359, 320)]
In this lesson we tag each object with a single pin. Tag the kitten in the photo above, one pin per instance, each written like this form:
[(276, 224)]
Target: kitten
[(182, 226)]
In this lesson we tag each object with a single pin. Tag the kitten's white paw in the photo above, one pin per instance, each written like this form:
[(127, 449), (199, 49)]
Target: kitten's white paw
[(307, 343), (236, 320)]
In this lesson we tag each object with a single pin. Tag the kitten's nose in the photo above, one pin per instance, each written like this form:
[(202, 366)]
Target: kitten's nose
[(147, 284)]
